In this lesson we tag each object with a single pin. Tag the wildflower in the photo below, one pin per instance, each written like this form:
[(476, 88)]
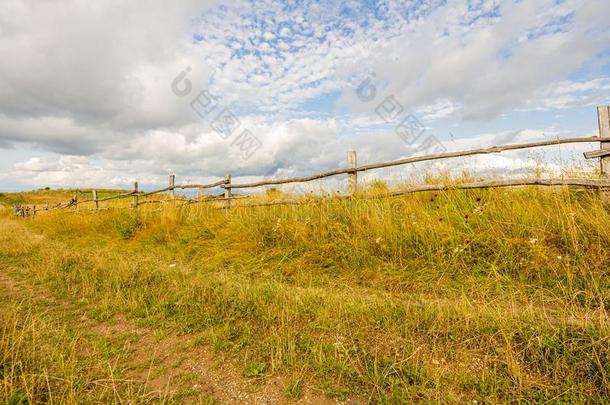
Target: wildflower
[(339, 341), (559, 257), (171, 266), (533, 241), (378, 240)]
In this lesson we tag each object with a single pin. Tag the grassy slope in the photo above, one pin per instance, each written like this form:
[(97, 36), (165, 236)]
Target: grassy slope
[(486, 295), (51, 197)]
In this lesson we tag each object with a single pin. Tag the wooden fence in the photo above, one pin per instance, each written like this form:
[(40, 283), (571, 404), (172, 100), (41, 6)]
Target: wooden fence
[(352, 169)]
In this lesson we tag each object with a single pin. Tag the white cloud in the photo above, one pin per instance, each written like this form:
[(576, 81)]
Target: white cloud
[(568, 94), (488, 65), (90, 82), (291, 148), (98, 69)]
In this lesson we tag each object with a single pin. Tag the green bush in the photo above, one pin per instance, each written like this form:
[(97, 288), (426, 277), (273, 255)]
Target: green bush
[(11, 198), (127, 224)]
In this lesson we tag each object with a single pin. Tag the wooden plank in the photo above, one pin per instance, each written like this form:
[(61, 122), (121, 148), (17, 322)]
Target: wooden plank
[(586, 183), (352, 177), (503, 183), (97, 203), (211, 185), (227, 193), (596, 154), (219, 183), (352, 169), (603, 119), (172, 182), (268, 204), (134, 200), (214, 199), (493, 149)]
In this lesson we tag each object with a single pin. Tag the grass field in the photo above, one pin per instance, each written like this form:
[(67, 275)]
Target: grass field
[(460, 296)]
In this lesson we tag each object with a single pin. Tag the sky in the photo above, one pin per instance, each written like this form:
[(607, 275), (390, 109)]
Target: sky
[(101, 94)]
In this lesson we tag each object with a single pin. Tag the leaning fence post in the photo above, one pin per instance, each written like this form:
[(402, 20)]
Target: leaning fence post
[(352, 177), (603, 119), (97, 204), (76, 200), (227, 187), (172, 183), (134, 201)]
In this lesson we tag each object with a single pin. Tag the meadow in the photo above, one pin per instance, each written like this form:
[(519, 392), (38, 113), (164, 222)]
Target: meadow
[(459, 296)]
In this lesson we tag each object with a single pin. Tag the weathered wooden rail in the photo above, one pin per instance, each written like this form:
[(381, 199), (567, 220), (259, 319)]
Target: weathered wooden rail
[(352, 169)]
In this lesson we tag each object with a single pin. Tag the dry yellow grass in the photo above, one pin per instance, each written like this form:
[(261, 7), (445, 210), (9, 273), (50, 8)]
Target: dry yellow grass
[(491, 295)]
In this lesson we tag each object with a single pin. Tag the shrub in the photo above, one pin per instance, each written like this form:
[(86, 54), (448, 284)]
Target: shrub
[(127, 224)]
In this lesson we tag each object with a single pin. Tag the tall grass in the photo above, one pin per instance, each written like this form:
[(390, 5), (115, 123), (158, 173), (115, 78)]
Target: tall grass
[(44, 361), (489, 295)]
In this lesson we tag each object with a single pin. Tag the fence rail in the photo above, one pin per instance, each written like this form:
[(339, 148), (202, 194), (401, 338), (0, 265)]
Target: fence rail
[(603, 154)]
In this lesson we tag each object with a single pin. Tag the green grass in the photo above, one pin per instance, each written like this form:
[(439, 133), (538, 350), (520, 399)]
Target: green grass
[(42, 360), (494, 295), (8, 199)]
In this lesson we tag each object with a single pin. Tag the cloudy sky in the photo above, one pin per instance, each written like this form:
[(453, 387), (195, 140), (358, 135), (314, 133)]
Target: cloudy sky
[(101, 93)]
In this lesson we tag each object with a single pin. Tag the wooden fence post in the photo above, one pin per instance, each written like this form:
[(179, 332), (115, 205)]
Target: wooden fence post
[(227, 188), (603, 119), (172, 183), (134, 201), (76, 200), (352, 177), (97, 203)]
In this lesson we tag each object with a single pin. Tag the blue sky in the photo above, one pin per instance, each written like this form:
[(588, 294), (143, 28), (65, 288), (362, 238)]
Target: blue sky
[(87, 94)]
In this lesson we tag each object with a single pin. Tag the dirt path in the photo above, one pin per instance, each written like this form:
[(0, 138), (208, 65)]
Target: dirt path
[(168, 364)]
